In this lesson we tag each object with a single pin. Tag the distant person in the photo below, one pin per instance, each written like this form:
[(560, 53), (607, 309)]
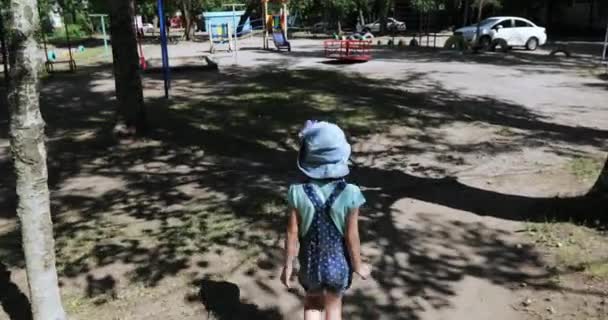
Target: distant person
[(323, 218)]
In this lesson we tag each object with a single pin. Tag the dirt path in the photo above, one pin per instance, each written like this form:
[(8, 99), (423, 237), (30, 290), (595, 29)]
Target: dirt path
[(454, 154)]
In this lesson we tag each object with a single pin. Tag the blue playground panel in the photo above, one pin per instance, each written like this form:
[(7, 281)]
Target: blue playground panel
[(225, 17)]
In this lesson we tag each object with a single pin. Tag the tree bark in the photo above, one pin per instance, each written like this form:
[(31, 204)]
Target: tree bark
[(251, 5), (187, 16), (383, 11), (465, 19), (591, 14), (480, 4), (131, 115), (29, 156)]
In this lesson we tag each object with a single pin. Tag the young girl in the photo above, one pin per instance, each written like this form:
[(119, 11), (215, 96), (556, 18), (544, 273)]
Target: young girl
[(323, 215)]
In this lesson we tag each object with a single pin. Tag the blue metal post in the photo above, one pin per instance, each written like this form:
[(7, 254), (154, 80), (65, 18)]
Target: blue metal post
[(163, 44)]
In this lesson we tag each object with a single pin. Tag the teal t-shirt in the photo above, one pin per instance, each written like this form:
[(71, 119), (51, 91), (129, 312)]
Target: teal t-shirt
[(350, 198)]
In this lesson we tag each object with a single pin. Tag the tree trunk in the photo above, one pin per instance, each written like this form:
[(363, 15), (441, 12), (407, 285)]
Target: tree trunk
[(383, 11), (131, 116), (186, 14), (591, 14), (251, 5), (480, 4), (29, 156), (465, 18)]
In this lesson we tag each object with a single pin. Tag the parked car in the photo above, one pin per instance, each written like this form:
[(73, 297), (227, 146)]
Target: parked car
[(392, 25), (320, 27), (148, 28), (515, 31)]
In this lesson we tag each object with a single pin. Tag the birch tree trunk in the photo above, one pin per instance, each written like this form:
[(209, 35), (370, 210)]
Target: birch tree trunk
[(29, 155), (131, 117)]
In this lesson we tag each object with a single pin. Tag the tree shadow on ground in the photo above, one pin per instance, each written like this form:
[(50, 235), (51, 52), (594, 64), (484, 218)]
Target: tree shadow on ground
[(14, 302), (532, 62), (210, 177), (222, 300)]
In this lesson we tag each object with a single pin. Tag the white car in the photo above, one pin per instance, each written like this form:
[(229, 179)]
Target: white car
[(391, 24), (320, 27), (148, 28), (516, 32)]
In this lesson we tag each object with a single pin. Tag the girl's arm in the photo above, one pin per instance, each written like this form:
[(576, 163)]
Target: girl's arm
[(291, 246), (291, 241), (354, 244)]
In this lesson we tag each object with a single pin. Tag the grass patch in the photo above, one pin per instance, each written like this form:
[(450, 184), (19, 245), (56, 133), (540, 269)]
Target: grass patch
[(573, 248), (505, 132), (585, 169)]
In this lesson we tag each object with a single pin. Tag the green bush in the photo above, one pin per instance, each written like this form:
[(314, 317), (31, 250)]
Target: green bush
[(74, 30)]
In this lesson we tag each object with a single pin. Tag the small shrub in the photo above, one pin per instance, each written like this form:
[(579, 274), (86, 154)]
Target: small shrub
[(74, 30)]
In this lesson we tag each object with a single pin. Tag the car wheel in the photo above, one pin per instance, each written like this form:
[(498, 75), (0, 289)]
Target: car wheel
[(485, 42), (500, 44), (532, 44), (366, 30)]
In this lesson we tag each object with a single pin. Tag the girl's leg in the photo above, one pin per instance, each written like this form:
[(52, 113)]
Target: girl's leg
[(333, 305), (313, 305)]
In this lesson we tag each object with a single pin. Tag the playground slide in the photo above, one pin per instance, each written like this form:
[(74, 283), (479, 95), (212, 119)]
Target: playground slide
[(280, 40)]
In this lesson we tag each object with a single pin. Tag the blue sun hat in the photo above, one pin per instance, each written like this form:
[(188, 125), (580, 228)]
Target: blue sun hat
[(324, 151)]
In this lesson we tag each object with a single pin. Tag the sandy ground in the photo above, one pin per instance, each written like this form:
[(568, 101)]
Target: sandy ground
[(474, 144)]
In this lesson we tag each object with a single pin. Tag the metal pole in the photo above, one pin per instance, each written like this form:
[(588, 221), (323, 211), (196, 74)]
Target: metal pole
[(163, 44), (285, 14), (106, 49), (265, 18), (236, 36), (48, 64), (67, 38)]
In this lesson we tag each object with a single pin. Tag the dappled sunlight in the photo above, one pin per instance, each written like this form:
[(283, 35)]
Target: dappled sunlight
[(200, 200)]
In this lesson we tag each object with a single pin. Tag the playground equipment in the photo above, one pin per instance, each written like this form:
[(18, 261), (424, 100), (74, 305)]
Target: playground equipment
[(222, 29), (221, 35), (50, 64), (102, 19), (276, 24), (348, 50), (358, 35), (166, 67), (163, 45)]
